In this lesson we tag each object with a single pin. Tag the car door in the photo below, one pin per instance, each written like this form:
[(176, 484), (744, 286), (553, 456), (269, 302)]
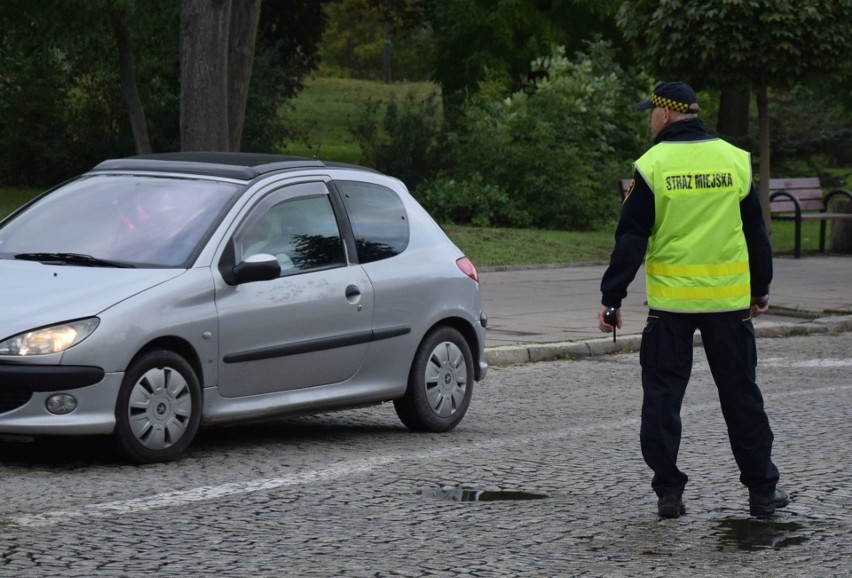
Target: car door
[(311, 325)]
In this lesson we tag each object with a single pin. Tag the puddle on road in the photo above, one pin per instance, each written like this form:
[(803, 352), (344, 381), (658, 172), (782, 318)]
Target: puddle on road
[(754, 534), (467, 494)]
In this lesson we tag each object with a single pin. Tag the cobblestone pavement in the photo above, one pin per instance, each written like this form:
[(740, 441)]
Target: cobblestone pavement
[(353, 494)]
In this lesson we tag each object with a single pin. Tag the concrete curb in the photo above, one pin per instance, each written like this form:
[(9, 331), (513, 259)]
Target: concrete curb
[(531, 352)]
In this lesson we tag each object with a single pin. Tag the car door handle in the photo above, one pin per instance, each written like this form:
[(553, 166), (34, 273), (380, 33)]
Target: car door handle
[(352, 293)]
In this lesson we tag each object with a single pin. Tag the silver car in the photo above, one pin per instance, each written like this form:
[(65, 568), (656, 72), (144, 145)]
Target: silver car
[(155, 295)]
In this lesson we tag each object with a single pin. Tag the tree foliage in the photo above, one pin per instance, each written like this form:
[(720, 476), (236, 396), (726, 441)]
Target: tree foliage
[(804, 143), (354, 40), (747, 44), (497, 39), (755, 45), (61, 102), (553, 150)]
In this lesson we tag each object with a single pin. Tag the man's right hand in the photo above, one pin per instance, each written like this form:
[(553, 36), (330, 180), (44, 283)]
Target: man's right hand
[(602, 324)]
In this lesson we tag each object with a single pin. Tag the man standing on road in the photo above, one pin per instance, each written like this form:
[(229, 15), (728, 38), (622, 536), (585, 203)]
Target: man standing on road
[(693, 207)]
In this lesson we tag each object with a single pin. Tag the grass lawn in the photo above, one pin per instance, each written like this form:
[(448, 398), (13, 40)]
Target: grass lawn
[(325, 108), (490, 247), (495, 247), (12, 198)]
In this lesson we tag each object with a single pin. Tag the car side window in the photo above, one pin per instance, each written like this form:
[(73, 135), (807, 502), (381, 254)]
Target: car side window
[(301, 232), (379, 222)]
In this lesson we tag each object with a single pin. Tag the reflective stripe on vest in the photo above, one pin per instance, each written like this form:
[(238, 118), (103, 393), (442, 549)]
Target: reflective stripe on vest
[(697, 257)]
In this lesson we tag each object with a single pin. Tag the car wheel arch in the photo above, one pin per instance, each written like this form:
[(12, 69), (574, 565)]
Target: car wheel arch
[(178, 346), (467, 331)]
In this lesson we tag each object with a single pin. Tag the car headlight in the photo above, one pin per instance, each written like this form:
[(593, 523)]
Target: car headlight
[(51, 339)]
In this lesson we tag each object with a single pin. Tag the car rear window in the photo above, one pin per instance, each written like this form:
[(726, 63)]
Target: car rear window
[(378, 219)]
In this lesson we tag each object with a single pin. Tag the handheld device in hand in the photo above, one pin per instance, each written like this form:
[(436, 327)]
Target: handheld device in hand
[(610, 318)]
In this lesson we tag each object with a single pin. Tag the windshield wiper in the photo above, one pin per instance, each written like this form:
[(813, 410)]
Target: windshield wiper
[(72, 259)]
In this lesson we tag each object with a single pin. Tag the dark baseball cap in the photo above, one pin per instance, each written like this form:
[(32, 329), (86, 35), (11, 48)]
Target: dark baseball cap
[(677, 96)]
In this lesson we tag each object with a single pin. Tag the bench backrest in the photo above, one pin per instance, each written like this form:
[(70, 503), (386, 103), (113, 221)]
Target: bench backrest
[(807, 190)]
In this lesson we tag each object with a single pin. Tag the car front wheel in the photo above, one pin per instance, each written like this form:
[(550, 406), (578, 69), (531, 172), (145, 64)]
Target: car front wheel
[(440, 383), (159, 408)]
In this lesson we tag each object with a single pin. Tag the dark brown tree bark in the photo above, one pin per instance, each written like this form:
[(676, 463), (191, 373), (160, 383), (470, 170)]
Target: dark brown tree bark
[(129, 88), (765, 173), (204, 32), (733, 115), (840, 240), (245, 15)]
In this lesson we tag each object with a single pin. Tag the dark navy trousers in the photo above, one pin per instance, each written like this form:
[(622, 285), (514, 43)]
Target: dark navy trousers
[(666, 359)]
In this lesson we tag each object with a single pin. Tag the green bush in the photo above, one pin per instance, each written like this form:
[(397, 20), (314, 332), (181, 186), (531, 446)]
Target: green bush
[(558, 147), (805, 143), (473, 202), (403, 140)]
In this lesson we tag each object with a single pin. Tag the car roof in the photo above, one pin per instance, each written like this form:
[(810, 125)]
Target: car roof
[(235, 165)]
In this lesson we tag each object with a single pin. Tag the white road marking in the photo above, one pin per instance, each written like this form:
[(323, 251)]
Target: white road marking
[(782, 362), (336, 471), (333, 472)]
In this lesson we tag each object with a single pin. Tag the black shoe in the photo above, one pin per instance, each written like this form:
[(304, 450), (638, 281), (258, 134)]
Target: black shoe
[(670, 507), (762, 505)]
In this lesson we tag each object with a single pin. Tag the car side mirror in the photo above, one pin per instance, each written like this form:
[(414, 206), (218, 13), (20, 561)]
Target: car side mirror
[(259, 267)]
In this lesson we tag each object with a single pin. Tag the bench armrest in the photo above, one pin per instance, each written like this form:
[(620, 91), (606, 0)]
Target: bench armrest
[(837, 193), (777, 195)]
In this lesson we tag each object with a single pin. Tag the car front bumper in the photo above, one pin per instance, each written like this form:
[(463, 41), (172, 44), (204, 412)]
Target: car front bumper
[(24, 390)]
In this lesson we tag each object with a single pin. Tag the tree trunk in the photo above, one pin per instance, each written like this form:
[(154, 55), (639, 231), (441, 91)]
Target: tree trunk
[(763, 122), (840, 240), (129, 88), (245, 16), (204, 30), (734, 107)]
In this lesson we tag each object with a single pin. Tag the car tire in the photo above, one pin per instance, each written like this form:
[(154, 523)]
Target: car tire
[(159, 408), (440, 383)]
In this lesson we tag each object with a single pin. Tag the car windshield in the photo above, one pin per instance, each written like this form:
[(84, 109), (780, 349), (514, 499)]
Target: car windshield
[(117, 220)]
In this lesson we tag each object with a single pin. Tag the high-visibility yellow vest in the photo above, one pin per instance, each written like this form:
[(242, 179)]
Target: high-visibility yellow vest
[(697, 258)]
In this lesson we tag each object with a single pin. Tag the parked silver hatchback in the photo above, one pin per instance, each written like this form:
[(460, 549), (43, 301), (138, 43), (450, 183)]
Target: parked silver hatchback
[(158, 294)]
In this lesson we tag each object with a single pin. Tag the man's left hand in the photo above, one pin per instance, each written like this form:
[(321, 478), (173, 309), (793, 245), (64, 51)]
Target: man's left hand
[(759, 305)]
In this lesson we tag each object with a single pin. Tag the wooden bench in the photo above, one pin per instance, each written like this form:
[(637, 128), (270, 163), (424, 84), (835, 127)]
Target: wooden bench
[(802, 200)]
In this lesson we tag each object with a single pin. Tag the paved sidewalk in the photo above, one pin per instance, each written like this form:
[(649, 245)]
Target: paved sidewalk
[(551, 312)]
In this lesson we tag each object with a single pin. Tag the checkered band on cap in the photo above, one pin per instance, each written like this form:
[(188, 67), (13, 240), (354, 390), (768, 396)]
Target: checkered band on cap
[(663, 102), (677, 96)]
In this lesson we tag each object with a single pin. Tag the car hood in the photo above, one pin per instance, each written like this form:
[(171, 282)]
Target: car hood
[(34, 295)]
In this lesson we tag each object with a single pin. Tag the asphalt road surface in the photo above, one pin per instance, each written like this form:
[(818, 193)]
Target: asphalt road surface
[(543, 478)]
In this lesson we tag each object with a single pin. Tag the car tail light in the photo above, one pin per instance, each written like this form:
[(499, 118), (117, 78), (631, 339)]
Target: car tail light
[(467, 268)]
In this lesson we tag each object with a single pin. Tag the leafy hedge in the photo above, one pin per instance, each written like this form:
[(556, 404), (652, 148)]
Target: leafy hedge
[(548, 155)]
